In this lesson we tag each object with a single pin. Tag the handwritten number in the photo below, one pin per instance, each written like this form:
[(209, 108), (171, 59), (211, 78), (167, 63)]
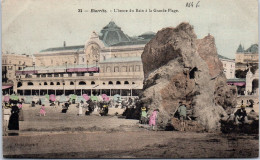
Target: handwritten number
[(79, 10), (190, 4)]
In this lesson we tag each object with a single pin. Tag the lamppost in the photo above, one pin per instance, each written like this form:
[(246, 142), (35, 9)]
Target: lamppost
[(87, 65)]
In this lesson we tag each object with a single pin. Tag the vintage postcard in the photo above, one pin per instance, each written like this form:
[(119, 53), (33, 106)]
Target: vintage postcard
[(130, 79)]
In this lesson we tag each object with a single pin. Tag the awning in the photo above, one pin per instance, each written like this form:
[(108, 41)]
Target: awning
[(237, 83), (5, 87)]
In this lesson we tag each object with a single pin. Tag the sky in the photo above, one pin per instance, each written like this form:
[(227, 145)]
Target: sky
[(29, 26)]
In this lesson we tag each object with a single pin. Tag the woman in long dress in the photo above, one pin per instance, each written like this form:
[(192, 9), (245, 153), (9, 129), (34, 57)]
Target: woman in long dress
[(80, 107), (14, 118), (153, 117)]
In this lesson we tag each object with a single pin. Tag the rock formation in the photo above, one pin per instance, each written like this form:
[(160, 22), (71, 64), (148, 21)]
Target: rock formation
[(179, 67)]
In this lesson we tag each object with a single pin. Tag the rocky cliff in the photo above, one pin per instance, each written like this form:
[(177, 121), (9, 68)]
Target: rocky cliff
[(179, 67)]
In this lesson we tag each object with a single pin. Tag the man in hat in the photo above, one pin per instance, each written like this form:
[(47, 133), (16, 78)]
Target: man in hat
[(182, 110)]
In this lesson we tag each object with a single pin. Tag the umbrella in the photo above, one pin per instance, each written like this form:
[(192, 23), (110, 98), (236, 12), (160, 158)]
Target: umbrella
[(47, 96), (117, 97), (94, 98), (6, 98), (52, 97), (63, 98), (86, 97)]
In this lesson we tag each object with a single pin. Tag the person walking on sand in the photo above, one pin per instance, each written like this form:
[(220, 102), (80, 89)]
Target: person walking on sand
[(182, 114), (80, 107), (42, 110), (152, 121)]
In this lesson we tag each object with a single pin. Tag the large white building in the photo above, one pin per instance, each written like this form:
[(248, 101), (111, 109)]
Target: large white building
[(229, 66), (109, 63)]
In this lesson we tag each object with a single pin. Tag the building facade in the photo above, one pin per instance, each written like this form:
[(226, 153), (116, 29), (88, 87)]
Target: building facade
[(109, 63), (229, 66), (246, 57), (10, 64)]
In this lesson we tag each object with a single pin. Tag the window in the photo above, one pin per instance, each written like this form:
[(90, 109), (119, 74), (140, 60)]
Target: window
[(58, 83), (82, 83), (126, 82), (38, 75), (118, 82), (71, 83), (108, 69), (137, 68), (92, 83), (52, 83), (82, 59), (70, 74), (133, 82), (116, 69), (110, 82), (49, 75), (45, 83), (43, 75), (40, 84), (124, 69), (104, 83), (61, 75), (30, 84), (56, 75)]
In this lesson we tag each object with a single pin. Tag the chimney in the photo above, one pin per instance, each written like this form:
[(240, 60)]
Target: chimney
[(64, 44)]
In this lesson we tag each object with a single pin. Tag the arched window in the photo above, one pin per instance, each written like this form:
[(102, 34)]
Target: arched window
[(104, 83), (92, 83), (133, 82), (45, 83), (52, 83), (108, 69), (71, 83), (126, 82), (110, 82), (40, 84), (58, 83), (118, 82), (82, 83), (116, 69)]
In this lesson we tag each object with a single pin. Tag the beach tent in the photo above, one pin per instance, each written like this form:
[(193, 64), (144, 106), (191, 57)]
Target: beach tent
[(94, 98), (47, 96), (86, 97), (105, 97), (79, 99), (63, 98), (73, 97), (6, 98), (14, 97), (117, 97), (28, 100), (52, 97)]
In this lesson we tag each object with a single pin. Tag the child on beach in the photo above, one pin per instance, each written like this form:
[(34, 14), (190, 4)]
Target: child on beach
[(42, 111), (152, 121)]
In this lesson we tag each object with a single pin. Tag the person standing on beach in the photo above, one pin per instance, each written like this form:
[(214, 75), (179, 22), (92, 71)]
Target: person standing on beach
[(182, 114), (80, 107), (42, 110), (14, 118), (153, 117)]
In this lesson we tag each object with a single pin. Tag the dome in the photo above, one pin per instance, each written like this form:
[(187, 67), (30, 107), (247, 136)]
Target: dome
[(111, 34)]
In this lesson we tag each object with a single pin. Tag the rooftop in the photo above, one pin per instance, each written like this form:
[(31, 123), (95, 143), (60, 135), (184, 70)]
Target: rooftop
[(122, 59), (111, 35)]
